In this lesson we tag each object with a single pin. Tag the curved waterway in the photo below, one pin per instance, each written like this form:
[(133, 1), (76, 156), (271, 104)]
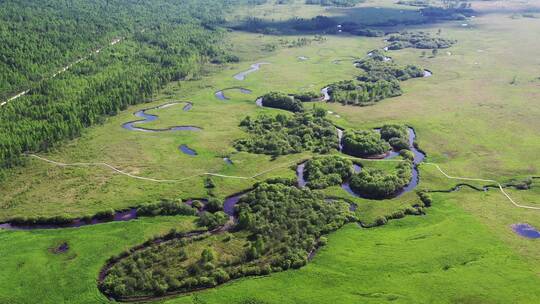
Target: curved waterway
[(253, 68), (132, 125), (221, 94), (418, 158)]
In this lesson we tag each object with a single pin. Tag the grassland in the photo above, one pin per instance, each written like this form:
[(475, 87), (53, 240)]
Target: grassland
[(471, 117)]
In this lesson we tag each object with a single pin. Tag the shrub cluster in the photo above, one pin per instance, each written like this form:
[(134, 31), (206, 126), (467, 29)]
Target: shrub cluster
[(397, 136), (339, 3), (325, 171), (284, 134), (419, 40), (166, 208), (425, 197), (376, 68), (379, 80), (282, 101), (378, 184), (364, 143)]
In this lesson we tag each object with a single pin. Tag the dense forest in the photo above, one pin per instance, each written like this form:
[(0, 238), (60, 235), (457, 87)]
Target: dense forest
[(339, 3), (278, 226), (285, 134), (164, 40)]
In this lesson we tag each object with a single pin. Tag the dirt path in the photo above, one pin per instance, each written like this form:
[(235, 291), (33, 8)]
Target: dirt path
[(487, 181), (499, 185), (62, 70)]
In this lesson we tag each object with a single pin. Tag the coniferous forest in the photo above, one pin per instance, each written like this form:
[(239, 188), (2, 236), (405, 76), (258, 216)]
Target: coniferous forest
[(156, 42)]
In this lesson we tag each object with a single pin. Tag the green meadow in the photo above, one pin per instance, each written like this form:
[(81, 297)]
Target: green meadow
[(476, 117)]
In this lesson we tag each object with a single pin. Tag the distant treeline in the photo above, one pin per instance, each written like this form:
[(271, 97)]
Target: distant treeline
[(165, 40), (340, 3)]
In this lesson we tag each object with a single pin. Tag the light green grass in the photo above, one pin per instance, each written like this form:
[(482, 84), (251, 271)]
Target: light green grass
[(32, 272), (443, 257), (468, 118)]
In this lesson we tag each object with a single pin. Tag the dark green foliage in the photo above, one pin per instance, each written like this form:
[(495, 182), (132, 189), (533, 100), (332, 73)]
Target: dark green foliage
[(379, 80), (389, 131), (316, 24), (420, 3), (362, 93), (307, 96), (165, 208), (398, 143), (209, 183), (376, 68), (419, 40), (214, 204), (212, 220), (105, 215), (378, 184), (364, 143), (282, 224), (339, 3), (368, 32), (282, 101), (425, 197), (407, 154), (455, 10), (288, 220), (178, 36), (396, 135), (285, 134), (326, 171)]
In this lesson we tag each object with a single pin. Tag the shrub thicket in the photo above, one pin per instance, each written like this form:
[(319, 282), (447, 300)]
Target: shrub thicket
[(282, 101), (378, 184), (326, 171), (364, 143), (419, 40), (283, 134)]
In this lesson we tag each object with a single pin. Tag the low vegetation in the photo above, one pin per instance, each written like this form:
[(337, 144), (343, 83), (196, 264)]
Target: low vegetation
[(285, 134)]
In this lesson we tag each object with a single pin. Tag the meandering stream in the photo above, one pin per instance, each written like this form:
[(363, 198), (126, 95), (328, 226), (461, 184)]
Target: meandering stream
[(418, 158), (132, 125), (254, 67), (221, 93)]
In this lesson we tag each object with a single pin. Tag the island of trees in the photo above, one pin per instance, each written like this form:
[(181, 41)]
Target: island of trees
[(379, 79), (286, 134)]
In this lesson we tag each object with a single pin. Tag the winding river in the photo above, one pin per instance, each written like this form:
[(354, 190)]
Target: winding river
[(418, 158), (132, 125), (221, 94), (254, 67)]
